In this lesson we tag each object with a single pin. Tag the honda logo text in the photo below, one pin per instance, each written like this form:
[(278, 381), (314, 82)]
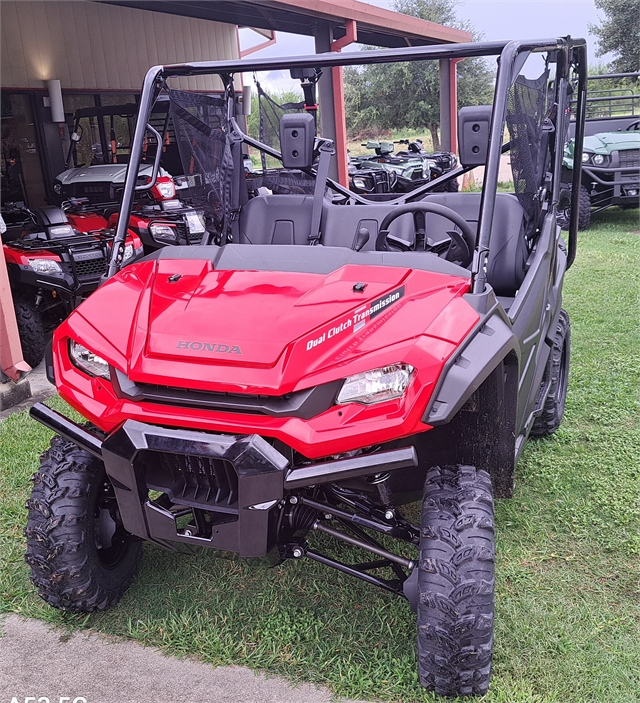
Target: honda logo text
[(206, 346)]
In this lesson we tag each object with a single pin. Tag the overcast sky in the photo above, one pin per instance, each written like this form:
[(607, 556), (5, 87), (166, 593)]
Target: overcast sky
[(496, 19)]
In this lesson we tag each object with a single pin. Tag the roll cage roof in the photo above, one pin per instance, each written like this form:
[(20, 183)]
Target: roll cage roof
[(566, 52)]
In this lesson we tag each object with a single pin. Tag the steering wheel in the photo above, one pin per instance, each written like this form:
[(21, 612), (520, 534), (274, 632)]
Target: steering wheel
[(458, 249), (634, 126)]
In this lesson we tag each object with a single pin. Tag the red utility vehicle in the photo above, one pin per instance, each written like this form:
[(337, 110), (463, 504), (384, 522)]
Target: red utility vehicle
[(325, 363)]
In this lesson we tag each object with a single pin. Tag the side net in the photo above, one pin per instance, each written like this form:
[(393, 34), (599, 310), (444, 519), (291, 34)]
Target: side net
[(526, 111), (201, 128), (270, 113), (277, 180)]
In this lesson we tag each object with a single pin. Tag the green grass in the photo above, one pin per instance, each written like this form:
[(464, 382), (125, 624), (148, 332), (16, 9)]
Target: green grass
[(568, 619)]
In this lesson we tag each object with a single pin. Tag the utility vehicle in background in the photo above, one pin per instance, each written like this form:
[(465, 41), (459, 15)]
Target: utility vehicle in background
[(92, 183), (611, 151), (325, 362)]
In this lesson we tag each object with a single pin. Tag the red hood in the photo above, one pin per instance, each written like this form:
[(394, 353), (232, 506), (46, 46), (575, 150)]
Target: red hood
[(180, 322)]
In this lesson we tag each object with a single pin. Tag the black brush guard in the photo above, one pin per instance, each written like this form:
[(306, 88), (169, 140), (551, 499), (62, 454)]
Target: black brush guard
[(235, 480)]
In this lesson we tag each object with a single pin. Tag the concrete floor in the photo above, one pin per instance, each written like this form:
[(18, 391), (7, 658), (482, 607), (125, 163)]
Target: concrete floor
[(50, 666), (40, 390)]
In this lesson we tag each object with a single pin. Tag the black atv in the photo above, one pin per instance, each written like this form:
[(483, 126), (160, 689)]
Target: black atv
[(52, 268), (437, 163)]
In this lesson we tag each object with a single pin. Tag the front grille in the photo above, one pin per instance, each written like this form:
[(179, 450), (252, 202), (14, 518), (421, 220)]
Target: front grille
[(92, 267), (304, 404), (197, 481), (630, 158), (95, 192)]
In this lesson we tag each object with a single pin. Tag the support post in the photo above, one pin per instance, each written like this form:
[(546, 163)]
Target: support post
[(453, 103), (331, 92), (11, 362), (445, 105), (12, 365), (338, 100), (449, 104), (323, 37)]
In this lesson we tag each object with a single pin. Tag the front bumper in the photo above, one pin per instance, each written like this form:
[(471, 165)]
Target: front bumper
[(614, 184), (71, 287), (237, 481), (70, 290)]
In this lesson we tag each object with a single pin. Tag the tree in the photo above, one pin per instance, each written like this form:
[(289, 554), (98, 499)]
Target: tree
[(382, 97), (619, 33)]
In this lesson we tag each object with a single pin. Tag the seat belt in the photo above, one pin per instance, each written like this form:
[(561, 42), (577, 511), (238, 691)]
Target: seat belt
[(327, 150), (239, 193)]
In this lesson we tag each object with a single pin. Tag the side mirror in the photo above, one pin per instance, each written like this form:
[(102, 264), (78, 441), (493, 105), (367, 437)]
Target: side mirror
[(302, 73)]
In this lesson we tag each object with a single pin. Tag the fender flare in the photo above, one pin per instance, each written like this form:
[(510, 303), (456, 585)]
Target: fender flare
[(465, 372)]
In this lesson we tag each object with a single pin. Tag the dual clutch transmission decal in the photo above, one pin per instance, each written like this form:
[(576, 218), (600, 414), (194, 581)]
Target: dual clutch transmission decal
[(359, 317)]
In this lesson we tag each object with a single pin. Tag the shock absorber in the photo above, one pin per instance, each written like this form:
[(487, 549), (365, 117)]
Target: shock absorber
[(300, 516), (384, 492)]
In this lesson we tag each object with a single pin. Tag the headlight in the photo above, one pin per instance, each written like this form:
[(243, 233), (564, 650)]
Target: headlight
[(171, 205), (45, 265), (585, 157), (57, 188), (598, 159), (128, 251), (165, 233), (359, 183), (87, 361), (377, 385)]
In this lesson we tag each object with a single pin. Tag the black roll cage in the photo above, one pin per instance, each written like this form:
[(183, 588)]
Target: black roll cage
[(511, 56), (128, 110)]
